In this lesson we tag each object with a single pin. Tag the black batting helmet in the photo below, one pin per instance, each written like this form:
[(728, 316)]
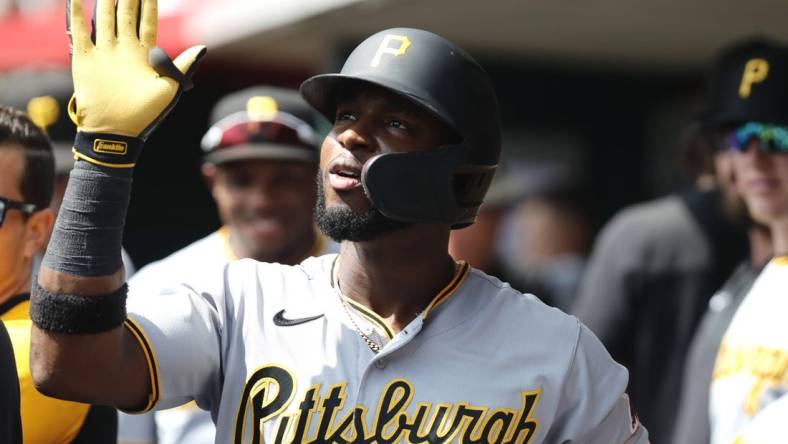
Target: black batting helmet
[(447, 184)]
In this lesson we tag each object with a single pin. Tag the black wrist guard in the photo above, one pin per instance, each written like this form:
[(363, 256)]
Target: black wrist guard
[(74, 314), (89, 229), (107, 150)]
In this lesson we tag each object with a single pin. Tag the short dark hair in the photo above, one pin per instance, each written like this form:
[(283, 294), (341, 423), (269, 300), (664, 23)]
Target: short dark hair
[(38, 176)]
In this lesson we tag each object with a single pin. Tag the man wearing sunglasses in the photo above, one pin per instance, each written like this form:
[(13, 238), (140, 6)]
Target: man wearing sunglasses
[(26, 189), (21, 231), (732, 122), (747, 400), (26, 170), (260, 164)]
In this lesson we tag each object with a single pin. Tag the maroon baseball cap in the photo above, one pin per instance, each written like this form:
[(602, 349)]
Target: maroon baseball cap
[(262, 123)]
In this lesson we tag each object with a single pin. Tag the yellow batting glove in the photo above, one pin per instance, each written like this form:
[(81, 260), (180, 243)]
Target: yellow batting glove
[(123, 84)]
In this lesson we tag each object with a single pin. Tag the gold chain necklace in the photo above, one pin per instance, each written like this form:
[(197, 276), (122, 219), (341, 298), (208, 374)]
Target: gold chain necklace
[(371, 343), (374, 346)]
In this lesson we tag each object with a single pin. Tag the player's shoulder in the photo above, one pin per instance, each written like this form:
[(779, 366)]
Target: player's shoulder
[(277, 280), (505, 306), (646, 217), (310, 268), (197, 254), (659, 231)]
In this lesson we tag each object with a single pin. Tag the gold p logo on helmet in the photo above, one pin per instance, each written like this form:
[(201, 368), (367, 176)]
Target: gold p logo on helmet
[(386, 48), (755, 71), (43, 111)]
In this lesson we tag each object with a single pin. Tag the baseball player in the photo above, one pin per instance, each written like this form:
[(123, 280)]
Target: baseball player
[(748, 402), (692, 418), (260, 162), (391, 340)]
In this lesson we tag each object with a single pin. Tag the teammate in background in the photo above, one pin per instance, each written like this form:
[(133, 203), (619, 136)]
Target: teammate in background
[(477, 244), (389, 340), (551, 234), (260, 162), (26, 176), (748, 402), (692, 423), (652, 271)]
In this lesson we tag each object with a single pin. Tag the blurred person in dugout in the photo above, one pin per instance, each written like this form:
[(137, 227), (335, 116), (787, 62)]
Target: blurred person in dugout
[(747, 400), (26, 184), (550, 232), (260, 163), (727, 109), (478, 244), (653, 269), (533, 231)]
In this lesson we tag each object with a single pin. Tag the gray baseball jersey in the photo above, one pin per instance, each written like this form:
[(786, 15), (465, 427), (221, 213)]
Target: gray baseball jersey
[(185, 424), (274, 353)]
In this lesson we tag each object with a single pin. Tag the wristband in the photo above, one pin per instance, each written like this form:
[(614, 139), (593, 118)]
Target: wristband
[(74, 314)]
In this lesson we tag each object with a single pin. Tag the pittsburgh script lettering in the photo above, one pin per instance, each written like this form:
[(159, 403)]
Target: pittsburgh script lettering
[(395, 418)]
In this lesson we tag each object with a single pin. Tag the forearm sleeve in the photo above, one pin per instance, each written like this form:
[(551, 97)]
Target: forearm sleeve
[(86, 240)]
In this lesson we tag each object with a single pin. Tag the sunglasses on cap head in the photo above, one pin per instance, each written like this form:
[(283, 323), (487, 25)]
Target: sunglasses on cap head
[(238, 130), (771, 138), (9, 204)]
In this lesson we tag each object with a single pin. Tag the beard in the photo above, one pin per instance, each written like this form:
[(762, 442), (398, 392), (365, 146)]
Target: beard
[(343, 223)]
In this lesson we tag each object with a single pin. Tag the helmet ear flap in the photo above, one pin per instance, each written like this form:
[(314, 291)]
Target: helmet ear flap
[(470, 184), (414, 187)]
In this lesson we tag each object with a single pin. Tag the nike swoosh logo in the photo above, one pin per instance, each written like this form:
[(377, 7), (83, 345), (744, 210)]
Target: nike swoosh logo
[(282, 321)]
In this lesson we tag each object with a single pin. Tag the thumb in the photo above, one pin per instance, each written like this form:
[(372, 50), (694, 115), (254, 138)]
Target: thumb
[(188, 61)]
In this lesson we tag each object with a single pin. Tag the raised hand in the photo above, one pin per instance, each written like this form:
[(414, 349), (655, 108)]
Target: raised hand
[(123, 84)]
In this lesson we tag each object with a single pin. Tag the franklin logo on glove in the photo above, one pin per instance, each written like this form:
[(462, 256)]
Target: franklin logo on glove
[(110, 147)]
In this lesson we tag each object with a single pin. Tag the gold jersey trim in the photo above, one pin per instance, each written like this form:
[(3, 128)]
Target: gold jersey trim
[(150, 357), (224, 233), (371, 316), (450, 289), (442, 296)]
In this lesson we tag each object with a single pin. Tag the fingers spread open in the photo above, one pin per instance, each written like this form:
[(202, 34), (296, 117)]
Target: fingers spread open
[(76, 27), (128, 15), (149, 23), (104, 22)]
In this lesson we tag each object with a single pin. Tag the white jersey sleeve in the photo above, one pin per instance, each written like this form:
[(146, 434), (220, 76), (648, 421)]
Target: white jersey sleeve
[(594, 407), (180, 332), (768, 426)]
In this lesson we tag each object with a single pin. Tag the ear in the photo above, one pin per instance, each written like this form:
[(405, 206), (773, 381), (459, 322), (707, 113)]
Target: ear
[(38, 229), (209, 173)]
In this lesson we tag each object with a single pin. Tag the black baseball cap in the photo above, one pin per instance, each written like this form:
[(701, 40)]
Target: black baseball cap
[(748, 82), (262, 122), (44, 96)]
